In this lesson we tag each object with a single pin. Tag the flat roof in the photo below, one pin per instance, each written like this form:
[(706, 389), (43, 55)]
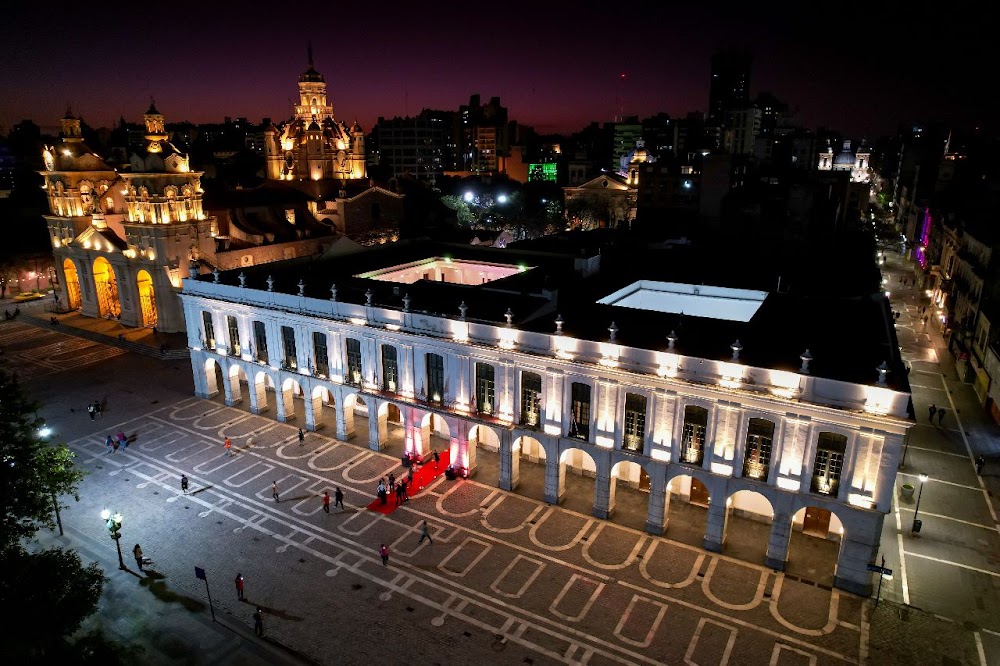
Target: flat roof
[(695, 300)]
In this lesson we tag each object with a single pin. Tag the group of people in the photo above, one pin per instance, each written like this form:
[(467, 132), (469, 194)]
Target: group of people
[(116, 441), (7, 314), (338, 497), (398, 488), (938, 411), (95, 409)]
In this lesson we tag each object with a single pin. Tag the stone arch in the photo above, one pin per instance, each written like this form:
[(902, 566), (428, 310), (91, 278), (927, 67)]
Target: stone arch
[(71, 280), (391, 428), (435, 433), (147, 298), (239, 384), (753, 512), (356, 414), (322, 401), (482, 436), (214, 377), (106, 284), (632, 477), (686, 505), (291, 390), (583, 464), (262, 384), (528, 478), (817, 535)]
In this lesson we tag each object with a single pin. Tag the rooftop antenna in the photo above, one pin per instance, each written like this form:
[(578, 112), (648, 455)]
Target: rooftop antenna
[(620, 99)]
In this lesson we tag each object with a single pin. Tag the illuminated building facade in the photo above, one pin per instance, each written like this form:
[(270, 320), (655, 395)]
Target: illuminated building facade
[(122, 241), (418, 343), (313, 145), (857, 162)]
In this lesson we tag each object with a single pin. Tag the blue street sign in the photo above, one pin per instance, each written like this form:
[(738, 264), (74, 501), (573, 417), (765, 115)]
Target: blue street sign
[(200, 573), (880, 570)]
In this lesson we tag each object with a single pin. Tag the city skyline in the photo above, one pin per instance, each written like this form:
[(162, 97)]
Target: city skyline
[(556, 67)]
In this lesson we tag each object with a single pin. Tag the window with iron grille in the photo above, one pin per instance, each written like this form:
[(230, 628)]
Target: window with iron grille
[(260, 341), (829, 463), (390, 372), (693, 436), (206, 320), (531, 399), (579, 407), (353, 362), (288, 344), (757, 459), (435, 377), (484, 388), (321, 356), (635, 422), (234, 335)]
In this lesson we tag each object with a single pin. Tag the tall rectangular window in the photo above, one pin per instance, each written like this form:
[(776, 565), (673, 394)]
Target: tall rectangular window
[(829, 463), (757, 459), (531, 399), (288, 344), (485, 388), (580, 411), (390, 369), (206, 320), (260, 342), (321, 357), (435, 377), (353, 362), (234, 335), (693, 435), (635, 422)]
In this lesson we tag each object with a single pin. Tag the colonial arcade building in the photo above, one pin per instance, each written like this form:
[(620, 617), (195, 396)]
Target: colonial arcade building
[(736, 400)]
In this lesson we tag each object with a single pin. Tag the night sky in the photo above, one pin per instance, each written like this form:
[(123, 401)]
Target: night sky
[(862, 69)]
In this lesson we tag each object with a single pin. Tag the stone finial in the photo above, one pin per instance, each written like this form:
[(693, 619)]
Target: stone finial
[(193, 269), (737, 348), (302, 287), (559, 324), (883, 370), (243, 279), (671, 340), (215, 276), (368, 297), (406, 302), (806, 356), (613, 331), (333, 292), (509, 316), (462, 309), (270, 283)]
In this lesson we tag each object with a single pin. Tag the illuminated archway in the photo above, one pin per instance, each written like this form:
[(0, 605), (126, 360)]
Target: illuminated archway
[(73, 299), (579, 490), (817, 537), (751, 514), (147, 298), (628, 489), (107, 288)]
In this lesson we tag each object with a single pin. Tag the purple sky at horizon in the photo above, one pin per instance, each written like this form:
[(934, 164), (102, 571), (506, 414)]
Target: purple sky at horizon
[(554, 65)]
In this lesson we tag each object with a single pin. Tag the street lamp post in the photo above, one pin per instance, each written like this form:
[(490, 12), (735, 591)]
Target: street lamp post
[(114, 524), (915, 529)]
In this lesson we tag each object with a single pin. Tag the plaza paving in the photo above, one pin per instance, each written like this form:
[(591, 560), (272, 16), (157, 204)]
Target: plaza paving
[(508, 579)]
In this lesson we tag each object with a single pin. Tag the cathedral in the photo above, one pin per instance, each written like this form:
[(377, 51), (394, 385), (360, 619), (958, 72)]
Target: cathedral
[(313, 145)]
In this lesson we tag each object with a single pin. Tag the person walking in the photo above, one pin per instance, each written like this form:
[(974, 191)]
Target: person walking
[(302, 437), (399, 493), (228, 446), (274, 491), (98, 409), (381, 492), (137, 554), (122, 440), (91, 411), (931, 411), (941, 411), (326, 501), (425, 534), (258, 622), (383, 552), (403, 485), (338, 498), (980, 463), (239, 586), (437, 459), (110, 443), (184, 484)]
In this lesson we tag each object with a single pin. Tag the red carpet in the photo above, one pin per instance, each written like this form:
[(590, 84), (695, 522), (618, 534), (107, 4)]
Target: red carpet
[(422, 477)]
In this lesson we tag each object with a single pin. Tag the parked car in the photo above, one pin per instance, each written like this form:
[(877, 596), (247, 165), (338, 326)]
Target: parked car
[(28, 296)]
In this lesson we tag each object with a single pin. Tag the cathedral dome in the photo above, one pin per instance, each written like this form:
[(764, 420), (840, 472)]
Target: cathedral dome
[(311, 76), (846, 156)]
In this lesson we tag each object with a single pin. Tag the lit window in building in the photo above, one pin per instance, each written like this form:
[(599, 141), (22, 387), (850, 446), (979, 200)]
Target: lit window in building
[(234, 335), (321, 356), (579, 426), (390, 370), (635, 422), (757, 461), (435, 377), (353, 362), (829, 463), (531, 399), (693, 436), (206, 318), (288, 343), (260, 341), (485, 388)]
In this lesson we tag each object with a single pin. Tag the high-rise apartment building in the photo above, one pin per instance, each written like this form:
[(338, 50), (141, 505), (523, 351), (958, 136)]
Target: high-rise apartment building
[(730, 83)]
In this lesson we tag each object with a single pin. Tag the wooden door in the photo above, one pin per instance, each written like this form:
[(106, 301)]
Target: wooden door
[(816, 522), (699, 493), (643, 479)]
